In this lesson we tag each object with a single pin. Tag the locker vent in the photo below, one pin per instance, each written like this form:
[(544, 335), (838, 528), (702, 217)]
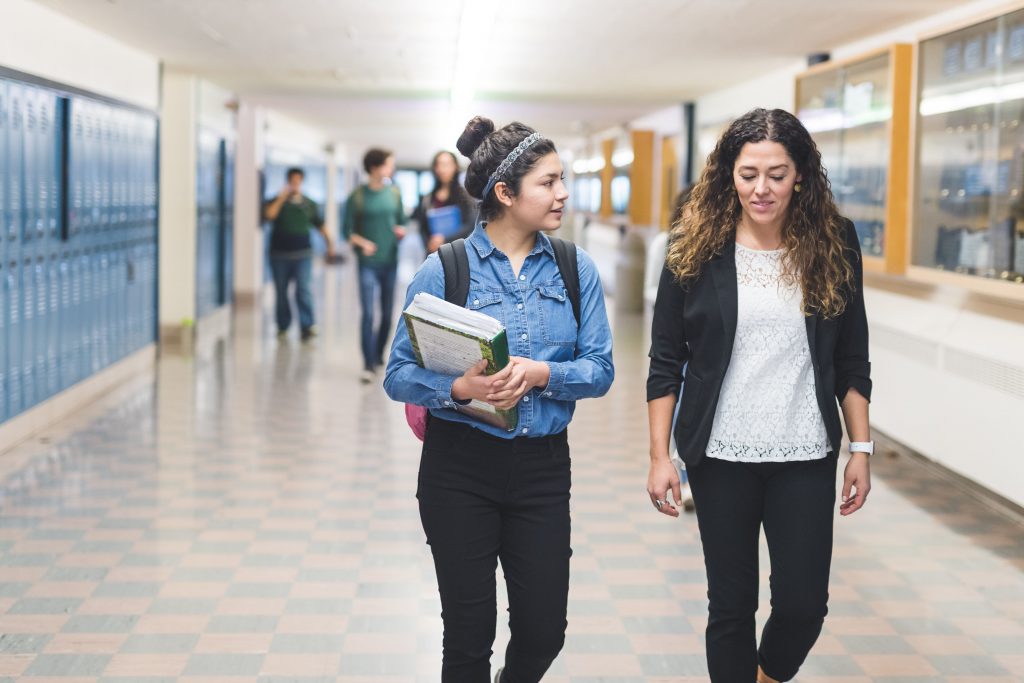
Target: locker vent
[(1002, 376)]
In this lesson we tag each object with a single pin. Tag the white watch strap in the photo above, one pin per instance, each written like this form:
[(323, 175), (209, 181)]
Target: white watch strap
[(862, 447)]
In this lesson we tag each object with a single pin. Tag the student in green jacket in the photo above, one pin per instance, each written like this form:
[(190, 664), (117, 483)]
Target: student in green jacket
[(373, 226)]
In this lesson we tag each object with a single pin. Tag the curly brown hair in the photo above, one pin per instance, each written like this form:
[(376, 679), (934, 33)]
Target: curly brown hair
[(812, 235)]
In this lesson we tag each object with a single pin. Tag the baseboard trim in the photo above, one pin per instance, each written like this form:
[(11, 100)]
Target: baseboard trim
[(57, 408), (987, 497)]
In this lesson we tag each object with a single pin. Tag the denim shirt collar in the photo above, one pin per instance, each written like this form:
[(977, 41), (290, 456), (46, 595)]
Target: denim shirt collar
[(484, 247)]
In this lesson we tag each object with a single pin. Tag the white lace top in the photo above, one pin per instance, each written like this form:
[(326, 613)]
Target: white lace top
[(767, 410)]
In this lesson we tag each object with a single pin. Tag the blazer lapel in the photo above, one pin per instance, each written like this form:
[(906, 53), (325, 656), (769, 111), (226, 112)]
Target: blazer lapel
[(723, 273)]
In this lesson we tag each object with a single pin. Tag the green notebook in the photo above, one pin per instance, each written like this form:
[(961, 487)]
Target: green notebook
[(450, 339)]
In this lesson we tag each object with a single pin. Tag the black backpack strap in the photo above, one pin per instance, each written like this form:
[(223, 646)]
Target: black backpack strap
[(569, 267), (455, 263)]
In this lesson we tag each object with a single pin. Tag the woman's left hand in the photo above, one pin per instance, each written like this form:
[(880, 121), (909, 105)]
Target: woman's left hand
[(856, 480), (538, 374)]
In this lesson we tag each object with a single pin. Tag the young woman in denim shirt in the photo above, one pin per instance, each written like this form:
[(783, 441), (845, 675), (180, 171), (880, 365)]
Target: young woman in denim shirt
[(486, 493)]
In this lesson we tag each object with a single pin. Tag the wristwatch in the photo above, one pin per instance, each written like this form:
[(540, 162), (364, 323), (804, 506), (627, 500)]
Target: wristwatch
[(862, 447)]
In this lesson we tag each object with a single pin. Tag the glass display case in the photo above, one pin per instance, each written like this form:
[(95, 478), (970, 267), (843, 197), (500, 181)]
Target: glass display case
[(858, 113), (620, 193), (968, 209)]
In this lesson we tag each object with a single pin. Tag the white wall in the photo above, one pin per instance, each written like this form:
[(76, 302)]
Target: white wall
[(248, 238), (178, 200), (46, 44)]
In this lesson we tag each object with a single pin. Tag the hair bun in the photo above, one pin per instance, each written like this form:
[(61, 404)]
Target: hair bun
[(473, 136)]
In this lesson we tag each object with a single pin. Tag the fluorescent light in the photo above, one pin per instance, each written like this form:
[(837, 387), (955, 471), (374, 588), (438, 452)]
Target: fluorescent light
[(979, 97), (621, 158), (476, 26), (596, 164), (581, 166)]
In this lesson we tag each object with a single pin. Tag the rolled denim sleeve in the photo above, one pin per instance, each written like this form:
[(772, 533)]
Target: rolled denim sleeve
[(591, 373), (404, 379)]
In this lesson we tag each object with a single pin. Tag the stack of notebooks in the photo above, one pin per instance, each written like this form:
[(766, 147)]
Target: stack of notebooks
[(449, 339)]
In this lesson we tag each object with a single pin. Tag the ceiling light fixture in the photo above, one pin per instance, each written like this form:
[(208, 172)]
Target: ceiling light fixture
[(475, 30)]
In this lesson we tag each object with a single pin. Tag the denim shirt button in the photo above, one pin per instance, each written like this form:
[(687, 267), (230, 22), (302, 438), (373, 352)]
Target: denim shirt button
[(525, 430), (525, 337), (476, 302), (522, 277), (526, 399), (519, 307)]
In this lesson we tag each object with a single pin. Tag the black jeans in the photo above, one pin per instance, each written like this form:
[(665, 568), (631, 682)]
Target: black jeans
[(795, 501), (483, 498)]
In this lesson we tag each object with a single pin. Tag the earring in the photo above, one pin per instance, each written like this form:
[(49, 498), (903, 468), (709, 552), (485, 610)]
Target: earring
[(797, 188)]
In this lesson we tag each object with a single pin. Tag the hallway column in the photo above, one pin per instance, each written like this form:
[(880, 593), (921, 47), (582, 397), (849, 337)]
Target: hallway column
[(248, 238), (178, 130)]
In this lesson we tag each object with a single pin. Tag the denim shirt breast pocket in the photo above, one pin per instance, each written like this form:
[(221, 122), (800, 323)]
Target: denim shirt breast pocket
[(487, 302), (557, 321)]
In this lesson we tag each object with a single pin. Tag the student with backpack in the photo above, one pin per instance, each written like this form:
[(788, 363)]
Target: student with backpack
[(487, 494), (373, 226)]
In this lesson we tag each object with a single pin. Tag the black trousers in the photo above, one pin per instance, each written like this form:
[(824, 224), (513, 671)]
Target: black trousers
[(483, 498), (795, 501)]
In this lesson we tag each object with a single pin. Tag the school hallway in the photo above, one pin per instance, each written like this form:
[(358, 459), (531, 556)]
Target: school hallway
[(248, 513)]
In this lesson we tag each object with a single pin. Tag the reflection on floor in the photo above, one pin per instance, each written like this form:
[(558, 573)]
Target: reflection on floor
[(248, 514)]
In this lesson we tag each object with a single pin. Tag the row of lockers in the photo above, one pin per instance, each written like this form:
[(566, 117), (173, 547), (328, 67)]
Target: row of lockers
[(69, 316), (215, 182), (78, 254)]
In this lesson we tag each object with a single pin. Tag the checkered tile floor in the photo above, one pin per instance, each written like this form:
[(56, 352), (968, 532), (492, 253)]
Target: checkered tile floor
[(248, 515)]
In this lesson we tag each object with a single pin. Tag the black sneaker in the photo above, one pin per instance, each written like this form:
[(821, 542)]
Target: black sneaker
[(308, 333)]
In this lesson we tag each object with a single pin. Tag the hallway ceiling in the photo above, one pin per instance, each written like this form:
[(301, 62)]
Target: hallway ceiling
[(566, 66)]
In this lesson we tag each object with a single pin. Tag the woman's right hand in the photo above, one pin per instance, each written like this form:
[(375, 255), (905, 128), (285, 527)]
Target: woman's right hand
[(475, 385), (662, 478)]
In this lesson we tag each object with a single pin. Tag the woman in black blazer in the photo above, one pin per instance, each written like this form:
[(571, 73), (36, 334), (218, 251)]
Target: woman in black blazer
[(761, 301)]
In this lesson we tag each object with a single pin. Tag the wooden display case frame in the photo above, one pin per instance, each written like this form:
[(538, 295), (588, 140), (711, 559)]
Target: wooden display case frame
[(1001, 289), (898, 128)]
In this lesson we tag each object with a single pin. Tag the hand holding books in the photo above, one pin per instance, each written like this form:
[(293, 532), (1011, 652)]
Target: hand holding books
[(472, 348), (501, 390)]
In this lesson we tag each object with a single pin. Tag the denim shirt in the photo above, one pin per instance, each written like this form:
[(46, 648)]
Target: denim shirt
[(539, 323)]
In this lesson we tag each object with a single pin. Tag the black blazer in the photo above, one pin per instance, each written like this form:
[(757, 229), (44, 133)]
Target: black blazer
[(695, 326)]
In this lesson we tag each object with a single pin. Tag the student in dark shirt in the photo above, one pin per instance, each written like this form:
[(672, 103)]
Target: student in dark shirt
[(294, 216), (447, 192)]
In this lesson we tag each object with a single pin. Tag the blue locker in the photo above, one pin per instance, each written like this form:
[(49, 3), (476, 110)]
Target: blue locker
[(101, 282), (88, 220), (4, 124), (65, 329), (39, 339), (53, 120), (4, 341), (28, 333), (15, 155), (29, 168), (12, 297), (40, 192), (28, 306), (76, 318), (86, 314), (53, 325), (117, 295)]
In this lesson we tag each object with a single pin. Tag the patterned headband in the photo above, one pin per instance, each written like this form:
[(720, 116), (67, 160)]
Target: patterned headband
[(509, 160)]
